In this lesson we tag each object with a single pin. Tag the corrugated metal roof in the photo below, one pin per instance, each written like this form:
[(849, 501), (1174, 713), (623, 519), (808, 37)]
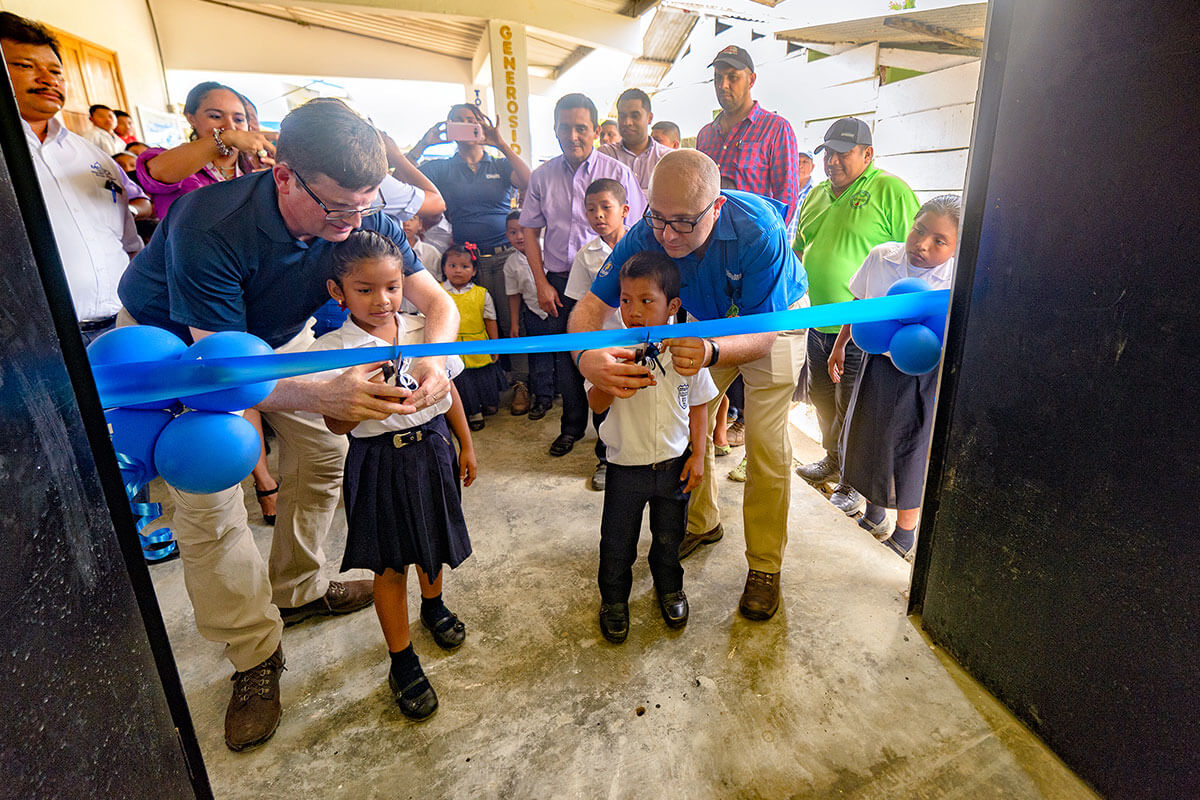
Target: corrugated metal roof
[(965, 20)]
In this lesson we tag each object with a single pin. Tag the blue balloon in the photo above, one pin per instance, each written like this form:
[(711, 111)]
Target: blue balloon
[(135, 343), (204, 451), (905, 286), (937, 324), (134, 434), (229, 344), (915, 350), (874, 337)]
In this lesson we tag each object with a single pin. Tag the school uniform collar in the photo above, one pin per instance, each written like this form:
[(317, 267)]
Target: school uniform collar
[(265, 202), (897, 255), (452, 289), (598, 243), (354, 336)]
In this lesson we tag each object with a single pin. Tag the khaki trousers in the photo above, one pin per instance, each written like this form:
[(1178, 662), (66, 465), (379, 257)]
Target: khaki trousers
[(234, 592), (770, 381)]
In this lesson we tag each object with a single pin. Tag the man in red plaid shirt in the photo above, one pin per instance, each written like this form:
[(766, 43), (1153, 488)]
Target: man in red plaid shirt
[(755, 149)]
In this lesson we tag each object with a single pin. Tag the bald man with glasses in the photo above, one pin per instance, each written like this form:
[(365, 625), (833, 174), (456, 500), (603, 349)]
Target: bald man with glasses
[(732, 251)]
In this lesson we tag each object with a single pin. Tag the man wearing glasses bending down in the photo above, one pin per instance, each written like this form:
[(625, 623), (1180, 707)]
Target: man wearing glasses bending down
[(253, 255), (734, 257)]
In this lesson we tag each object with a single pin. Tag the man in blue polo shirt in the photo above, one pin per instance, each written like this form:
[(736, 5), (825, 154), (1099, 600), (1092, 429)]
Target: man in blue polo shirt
[(253, 255), (734, 258)]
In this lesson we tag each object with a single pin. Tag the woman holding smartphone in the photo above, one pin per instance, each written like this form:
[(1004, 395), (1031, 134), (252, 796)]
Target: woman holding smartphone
[(480, 190)]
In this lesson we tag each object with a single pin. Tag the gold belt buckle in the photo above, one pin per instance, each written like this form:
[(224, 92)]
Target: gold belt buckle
[(406, 438)]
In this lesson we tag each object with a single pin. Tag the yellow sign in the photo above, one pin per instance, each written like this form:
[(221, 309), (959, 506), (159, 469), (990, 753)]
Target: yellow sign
[(510, 83)]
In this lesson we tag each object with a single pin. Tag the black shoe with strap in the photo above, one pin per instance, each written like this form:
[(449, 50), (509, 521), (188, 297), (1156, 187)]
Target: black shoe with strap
[(448, 630)]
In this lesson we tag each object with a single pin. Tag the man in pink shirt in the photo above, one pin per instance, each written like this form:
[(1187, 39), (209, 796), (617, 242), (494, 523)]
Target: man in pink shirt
[(554, 203), (636, 149)]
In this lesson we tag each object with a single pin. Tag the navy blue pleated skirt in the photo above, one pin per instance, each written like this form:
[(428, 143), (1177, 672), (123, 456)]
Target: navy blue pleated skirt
[(480, 387), (885, 441), (403, 504)]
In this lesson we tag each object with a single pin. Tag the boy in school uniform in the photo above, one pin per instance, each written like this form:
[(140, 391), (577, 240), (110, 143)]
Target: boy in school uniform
[(606, 206), (524, 310), (655, 442)]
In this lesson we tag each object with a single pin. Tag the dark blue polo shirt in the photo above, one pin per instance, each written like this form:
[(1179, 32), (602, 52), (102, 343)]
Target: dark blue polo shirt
[(223, 260), (748, 268), (478, 202)]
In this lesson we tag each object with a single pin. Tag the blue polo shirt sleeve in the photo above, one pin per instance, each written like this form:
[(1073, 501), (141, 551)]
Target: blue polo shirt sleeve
[(204, 281), (382, 223), (767, 263), (607, 285)]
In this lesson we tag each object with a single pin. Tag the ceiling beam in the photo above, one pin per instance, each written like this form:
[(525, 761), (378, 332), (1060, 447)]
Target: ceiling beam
[(565, 19), (910, 25)]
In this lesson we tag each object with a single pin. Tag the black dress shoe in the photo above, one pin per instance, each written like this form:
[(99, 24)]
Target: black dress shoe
[(614, 621), (674, 608), (563, 444), (538, 411), (448, 631), (414, 701)]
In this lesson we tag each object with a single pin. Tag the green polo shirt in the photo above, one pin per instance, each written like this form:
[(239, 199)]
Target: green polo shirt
[(836, 233)]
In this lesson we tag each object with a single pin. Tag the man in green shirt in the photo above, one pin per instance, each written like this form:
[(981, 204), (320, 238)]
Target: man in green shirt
[(858, 207)]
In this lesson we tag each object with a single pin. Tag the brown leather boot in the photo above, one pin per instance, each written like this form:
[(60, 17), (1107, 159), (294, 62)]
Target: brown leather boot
[(254, 710), (760, 598), (693, 540), (340, 598)]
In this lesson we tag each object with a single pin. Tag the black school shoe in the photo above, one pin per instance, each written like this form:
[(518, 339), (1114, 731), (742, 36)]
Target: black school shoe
[(417, 700), (563, 444), (539, 410), (674, 608), (614, 621), (448, 631)]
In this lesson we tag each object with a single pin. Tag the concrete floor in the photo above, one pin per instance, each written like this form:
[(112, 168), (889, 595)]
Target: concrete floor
[(837, 696)]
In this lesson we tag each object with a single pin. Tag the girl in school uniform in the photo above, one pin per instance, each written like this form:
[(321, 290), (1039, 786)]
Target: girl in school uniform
[(481, 382), (403, 505), (885, 442)]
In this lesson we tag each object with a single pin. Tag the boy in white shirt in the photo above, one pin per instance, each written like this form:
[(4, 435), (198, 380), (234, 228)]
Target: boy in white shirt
[(655, 442), (606, 207), (523, 308)]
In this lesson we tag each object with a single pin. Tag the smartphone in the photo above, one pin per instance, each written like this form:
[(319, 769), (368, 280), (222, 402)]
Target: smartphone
[(464, 132)]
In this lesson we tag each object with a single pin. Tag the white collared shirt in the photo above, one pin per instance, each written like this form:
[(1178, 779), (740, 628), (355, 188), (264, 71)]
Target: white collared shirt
[(587, 264), (95, 233), (109, 143), (888, 263), (519, 280), (411, 331), (641, 163), (652, 425)]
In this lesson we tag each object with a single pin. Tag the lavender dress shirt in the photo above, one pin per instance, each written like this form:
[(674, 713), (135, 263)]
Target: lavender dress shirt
[(554, 201)]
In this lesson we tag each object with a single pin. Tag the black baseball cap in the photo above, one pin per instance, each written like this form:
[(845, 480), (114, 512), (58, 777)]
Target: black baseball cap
[(734, 56), (845, 134)]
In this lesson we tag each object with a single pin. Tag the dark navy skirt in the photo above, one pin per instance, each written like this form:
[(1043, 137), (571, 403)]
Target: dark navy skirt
[(403, 504), (480, 387), (885, 441)]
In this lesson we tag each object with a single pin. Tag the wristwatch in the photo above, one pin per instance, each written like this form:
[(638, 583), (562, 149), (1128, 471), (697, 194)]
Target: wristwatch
[(716, 352), (222, 148)]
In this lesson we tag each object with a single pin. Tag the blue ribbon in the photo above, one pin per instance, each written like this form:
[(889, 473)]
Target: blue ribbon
[(145, 382), (159, 544)]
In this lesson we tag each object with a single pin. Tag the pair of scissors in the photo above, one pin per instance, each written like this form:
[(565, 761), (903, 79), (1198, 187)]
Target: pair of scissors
[(395, 371), (647, 355)]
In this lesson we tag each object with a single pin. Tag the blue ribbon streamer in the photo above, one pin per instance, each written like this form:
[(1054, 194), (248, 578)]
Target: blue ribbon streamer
[(145, 382), (159, 544)]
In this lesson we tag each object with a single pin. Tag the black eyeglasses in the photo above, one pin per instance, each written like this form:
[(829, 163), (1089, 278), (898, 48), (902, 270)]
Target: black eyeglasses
[(343, 214), (677, 225)]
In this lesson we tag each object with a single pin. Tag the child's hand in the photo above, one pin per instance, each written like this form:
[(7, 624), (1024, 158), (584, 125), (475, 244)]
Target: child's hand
[(693, 471), (837, 364), (514, 332), (467, 466)]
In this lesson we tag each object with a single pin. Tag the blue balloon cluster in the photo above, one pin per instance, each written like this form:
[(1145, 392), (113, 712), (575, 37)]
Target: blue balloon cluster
[(915, 344), (195, 443)]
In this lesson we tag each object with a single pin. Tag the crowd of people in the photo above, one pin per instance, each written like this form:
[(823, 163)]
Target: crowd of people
[(327, 236)]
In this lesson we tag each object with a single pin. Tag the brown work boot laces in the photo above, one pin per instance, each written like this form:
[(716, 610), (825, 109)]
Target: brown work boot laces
[(256, 680), (761, 578), (336, 593)]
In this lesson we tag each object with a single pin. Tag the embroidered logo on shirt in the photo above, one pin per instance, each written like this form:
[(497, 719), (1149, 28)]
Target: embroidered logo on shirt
[(682, 391), (860, 198), (605, 269)]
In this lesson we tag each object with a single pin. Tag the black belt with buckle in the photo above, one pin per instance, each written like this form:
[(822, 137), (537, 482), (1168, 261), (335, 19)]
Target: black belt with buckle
[(495, 251), (657, 465), (405, 438), (89, 325)]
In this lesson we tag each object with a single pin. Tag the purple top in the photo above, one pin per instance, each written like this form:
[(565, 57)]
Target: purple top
[(164, 194), (554, 201)]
